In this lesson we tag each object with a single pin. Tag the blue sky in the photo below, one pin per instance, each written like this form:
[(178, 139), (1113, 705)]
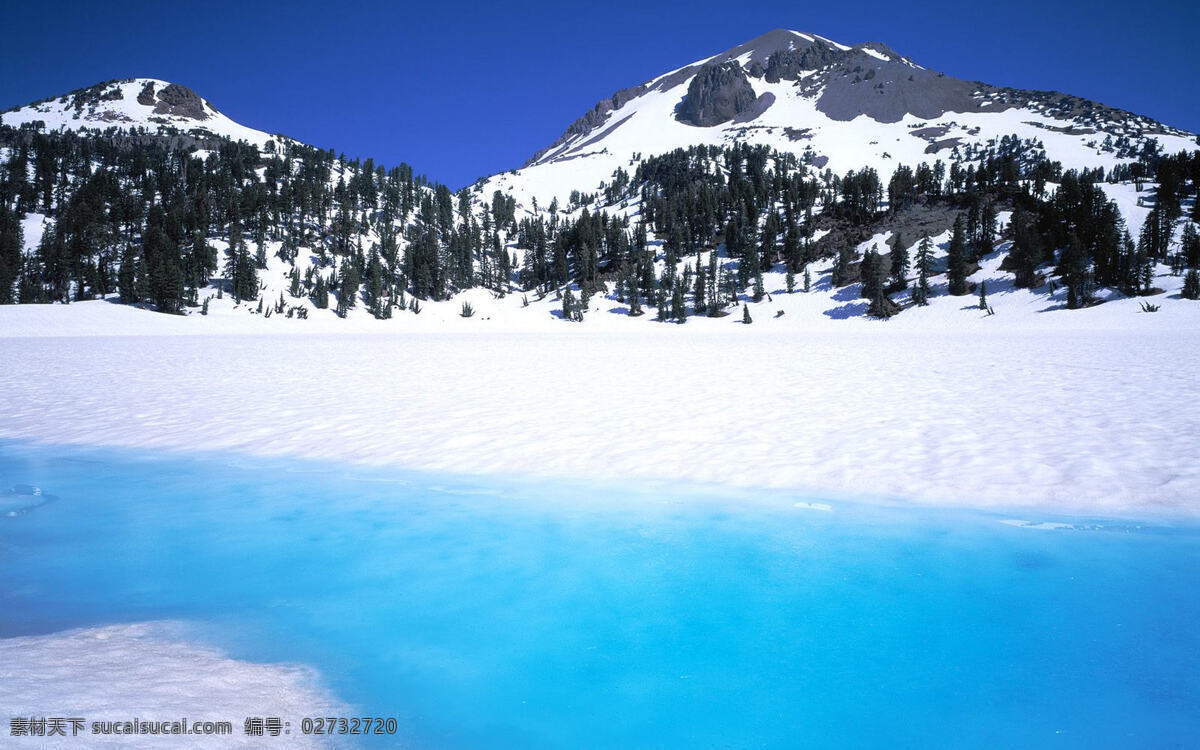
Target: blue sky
[(460, 91)]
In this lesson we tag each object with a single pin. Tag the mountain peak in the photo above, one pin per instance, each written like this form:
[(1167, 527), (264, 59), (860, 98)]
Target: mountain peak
[(149, 104), (835, 106)]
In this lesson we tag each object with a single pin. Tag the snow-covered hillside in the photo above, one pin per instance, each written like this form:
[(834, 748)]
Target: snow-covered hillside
[(148, 104), (189, 212), (839, 107)]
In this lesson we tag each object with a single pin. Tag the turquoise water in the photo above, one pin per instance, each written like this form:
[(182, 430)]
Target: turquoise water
[(491, 614)]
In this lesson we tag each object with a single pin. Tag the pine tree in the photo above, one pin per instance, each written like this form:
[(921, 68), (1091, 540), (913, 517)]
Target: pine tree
[(126, 276), (874, 278), (348, 287), (1026, 253), (1189, 246), (899, 264), (807, 280), (924, 266), (164, 273), (678, 302), (983, 305), (842, 268), (240, 268), (11, 242), (1073, 267), (870, 272), (321, 293), (569, 305), (746, 315), (956, 259), (635, 297), (1191, 284), (987, 230)]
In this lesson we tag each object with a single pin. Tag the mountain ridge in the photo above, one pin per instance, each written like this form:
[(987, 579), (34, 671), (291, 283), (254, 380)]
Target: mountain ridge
[(758, 52), (152, 104), (787, 162)]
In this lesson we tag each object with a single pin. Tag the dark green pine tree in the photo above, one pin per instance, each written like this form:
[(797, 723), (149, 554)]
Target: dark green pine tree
[(11, 242), (679, 302), (869, 273), (1189, 246), (1073, 267), (746, 319), (1191, 284), (375, 288), (987, 230), (163, 267), (983, 305), (1026, 253), (1156, 233), (843, 268), (321, 292), (635, 296), (924, 268), (348, 285), (569, 305), (899, 264), (956, 259), (874, 282), (240, 268), (127, 284)]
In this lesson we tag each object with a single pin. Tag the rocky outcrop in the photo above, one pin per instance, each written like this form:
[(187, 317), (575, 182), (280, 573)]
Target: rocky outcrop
[(717, 94), (786, 65), (180, 101)]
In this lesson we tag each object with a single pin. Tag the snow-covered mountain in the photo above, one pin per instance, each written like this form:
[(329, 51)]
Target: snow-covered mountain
[(839, 107), (767, 204), (148, 104)]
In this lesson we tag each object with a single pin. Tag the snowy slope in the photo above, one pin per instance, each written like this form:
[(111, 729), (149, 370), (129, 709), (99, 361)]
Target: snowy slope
[(155, 106), (868, 107)]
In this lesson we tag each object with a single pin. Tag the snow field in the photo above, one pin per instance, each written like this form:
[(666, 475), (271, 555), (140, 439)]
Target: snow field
[(1094, 422)]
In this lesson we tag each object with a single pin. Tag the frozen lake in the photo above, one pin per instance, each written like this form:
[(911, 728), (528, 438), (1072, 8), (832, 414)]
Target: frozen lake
[(485, 614)]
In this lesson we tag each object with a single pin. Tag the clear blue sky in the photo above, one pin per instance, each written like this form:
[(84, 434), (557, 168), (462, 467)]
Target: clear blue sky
[(460, 91)]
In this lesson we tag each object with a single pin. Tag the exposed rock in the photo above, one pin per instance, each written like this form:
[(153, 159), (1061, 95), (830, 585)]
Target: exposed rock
[(886, 91), (846, 82), (146, 96), (786, 65), (716, 95), (180, 101)]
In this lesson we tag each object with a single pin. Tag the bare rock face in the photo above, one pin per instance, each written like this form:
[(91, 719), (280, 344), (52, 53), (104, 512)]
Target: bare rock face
[(785, 65), (146, 95), (717, 94), (180, 101)]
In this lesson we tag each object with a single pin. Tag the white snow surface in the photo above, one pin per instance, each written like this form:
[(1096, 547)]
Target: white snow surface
[(1091, 412), (149, 671)]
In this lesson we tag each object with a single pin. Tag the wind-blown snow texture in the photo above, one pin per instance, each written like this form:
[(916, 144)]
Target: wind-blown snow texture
[(1097, 422)]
